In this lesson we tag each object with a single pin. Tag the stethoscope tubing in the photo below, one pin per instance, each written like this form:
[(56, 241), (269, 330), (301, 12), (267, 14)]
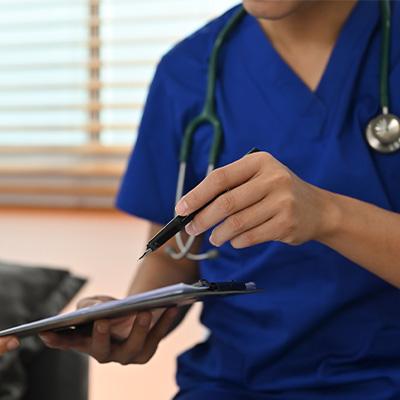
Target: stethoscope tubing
[(184, 248)]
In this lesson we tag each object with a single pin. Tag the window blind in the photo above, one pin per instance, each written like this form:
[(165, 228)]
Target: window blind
[(73, 79)]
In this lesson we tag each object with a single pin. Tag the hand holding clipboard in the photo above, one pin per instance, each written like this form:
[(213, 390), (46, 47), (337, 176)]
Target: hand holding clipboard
[(139, 346), (170, 296)]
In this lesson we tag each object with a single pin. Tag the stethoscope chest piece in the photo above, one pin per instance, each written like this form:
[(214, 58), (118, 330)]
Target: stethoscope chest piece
[(383, 133)]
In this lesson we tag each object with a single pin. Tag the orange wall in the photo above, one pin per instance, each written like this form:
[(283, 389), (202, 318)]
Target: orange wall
[(102, 246)]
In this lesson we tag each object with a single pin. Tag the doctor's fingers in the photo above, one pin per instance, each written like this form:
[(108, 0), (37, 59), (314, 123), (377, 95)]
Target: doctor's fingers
[(227, 204), (220, 180), (98, 345), (275, 229), (91, 301), (125, 351), (66, 341), (104, 350), (139, 349), (244, 220)]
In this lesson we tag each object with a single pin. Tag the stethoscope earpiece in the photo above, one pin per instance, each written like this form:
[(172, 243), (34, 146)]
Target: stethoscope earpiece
[(383, 133)]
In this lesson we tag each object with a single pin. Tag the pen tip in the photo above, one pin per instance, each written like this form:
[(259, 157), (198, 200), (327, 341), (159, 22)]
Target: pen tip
[(145, 254)]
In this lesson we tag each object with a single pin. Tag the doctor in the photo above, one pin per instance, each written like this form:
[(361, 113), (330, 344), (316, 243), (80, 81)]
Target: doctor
[(314, 219)]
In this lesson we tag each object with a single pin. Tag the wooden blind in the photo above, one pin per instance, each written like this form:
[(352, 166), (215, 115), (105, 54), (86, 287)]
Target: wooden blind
[(73, 80)]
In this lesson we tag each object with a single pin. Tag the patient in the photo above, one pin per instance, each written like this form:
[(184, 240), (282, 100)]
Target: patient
[(8, 343)]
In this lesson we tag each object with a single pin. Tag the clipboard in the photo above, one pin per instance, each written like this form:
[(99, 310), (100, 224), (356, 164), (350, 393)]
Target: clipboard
[(180, 294)]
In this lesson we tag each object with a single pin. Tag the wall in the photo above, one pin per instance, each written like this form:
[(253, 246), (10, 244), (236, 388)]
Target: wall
[(104, 247)]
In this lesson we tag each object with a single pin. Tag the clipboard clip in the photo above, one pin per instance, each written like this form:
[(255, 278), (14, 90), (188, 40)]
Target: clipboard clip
[(226, 286)]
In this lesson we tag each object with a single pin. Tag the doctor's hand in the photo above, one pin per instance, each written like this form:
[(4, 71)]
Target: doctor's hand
[(8, 343), (126, 340), (261, 201)]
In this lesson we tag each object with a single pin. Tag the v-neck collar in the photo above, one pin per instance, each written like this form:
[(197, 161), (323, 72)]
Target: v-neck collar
[(282, 88), (350, 45)]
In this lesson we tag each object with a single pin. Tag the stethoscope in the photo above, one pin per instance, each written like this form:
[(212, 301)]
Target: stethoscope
[(382, 133)]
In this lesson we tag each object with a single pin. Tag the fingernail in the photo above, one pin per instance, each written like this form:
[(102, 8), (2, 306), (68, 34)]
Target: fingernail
[(12, 344), (102, 327), (181, 207), (211, 239), (191, 228), (91, 303), (144, 320)]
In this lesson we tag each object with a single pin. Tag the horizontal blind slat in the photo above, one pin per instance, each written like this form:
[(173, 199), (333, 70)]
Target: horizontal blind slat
[(78, 43), (77, 65), (61, 107), (62, 190), (90, 170), (72, 88), (86, 149), (57, 128)]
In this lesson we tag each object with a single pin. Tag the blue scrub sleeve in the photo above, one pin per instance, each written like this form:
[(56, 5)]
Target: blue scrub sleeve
[(149, 183)]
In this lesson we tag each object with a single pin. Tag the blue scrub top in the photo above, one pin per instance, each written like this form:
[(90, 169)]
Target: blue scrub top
[(323, 328)]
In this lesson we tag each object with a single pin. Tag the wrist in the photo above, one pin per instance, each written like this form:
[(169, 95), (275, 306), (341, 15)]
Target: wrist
[(331, 216)]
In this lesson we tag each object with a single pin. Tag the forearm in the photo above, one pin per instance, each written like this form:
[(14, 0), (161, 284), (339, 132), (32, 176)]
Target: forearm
[(364, 233), (158, 269)]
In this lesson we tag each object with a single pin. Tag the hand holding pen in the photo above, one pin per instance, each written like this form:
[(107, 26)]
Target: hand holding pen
[(259, 200), (177, 224)]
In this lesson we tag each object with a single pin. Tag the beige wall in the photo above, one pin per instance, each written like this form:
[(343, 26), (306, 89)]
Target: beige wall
[(102, 246)]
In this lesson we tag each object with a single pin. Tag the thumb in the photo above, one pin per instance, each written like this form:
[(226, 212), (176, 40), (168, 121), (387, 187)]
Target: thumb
[(91, 301)]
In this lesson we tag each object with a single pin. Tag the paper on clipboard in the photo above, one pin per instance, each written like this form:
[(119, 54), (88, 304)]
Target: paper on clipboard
[(174, 295)]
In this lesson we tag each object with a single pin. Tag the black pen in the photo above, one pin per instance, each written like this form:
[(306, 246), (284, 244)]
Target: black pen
[(175, 225)]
